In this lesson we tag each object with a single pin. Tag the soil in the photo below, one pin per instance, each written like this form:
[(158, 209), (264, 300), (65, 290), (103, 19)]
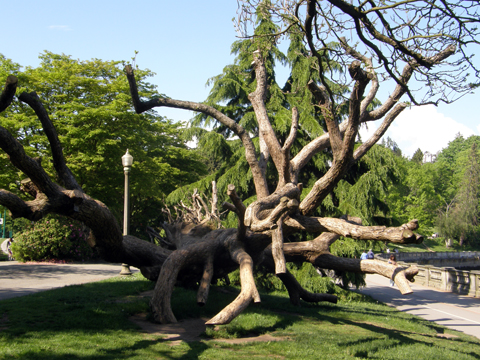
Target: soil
[(189, 330)]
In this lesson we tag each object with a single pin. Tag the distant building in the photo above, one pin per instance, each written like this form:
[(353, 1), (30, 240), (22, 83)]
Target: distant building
[(429, 157)]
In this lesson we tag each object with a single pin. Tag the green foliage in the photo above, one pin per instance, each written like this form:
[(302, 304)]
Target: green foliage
[(364, 191), (52, 238), (460, 219), (417, 157), (442, 195), (229, 94), (305, 274), (89, 103)]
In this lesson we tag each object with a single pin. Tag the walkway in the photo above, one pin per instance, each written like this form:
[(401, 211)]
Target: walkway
[(454, 311), (17, 279)]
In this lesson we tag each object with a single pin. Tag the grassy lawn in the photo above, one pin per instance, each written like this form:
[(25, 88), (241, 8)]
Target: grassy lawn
[(436, 244), (91, 322)]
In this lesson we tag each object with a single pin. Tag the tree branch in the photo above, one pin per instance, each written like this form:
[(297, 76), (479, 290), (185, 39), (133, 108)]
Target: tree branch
[(61, 167), (259, 179), (8, 92), (258, 98), (263, 214), (401, 235), (394, 272)]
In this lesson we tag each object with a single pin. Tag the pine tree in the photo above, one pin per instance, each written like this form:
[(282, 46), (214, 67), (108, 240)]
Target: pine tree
[(418, 156)]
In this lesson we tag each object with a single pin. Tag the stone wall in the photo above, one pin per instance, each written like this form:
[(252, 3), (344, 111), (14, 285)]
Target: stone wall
[(449, 279), (439, 259), (444, 277)]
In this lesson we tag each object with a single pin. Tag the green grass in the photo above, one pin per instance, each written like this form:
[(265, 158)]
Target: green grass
[(436, 244), (91, 322)]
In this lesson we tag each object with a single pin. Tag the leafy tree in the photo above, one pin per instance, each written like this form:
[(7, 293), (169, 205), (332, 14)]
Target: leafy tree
[(457, 167), (462, 221), (90, 106)]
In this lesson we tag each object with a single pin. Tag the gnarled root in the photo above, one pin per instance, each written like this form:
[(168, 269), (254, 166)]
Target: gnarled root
[(160, 303), (263, 214), (248, 291), (204, 287), (297, 292)]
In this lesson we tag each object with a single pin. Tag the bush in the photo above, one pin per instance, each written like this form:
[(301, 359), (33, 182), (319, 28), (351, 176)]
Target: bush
[(52, 238)]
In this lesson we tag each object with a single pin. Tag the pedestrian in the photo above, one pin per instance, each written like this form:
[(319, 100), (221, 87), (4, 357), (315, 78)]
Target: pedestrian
[(370, 254), (392, 260), (364, 255), (10, 254)]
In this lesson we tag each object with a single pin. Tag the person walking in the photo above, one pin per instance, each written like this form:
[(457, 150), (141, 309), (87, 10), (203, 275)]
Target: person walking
[(392, 260)]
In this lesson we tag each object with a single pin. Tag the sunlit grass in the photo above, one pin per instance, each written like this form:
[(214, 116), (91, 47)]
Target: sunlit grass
[(91, 322)]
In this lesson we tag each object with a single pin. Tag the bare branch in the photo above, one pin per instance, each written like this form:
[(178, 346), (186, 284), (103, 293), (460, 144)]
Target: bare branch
[(400, 235), (57, 152), (203, 289), (258, 98), (259, 179), (8, 92), (240, 209)]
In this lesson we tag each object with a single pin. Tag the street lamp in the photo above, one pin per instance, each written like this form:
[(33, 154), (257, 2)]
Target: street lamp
[(127, 161)]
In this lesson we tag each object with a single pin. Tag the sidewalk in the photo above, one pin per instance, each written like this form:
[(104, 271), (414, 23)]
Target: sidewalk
[(18, 279), (454, 311)]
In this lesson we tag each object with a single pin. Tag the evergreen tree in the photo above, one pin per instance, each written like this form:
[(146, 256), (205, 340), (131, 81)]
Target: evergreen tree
[(229, 94), (418, 156)]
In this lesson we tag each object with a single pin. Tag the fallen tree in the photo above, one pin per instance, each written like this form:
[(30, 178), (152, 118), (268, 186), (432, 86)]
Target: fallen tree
[(194, 248)]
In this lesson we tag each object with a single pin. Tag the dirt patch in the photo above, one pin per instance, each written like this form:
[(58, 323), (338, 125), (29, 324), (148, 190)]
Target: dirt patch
[(190, 330), (447, 336), (184, 330), (261, 338)]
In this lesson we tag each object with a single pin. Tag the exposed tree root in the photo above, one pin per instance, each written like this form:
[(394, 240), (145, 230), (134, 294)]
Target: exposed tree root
[(248, 291)]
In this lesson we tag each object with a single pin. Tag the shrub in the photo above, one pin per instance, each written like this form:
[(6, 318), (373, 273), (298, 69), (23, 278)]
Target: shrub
[(52, 238)]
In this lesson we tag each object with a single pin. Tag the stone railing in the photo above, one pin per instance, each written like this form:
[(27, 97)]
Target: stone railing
[(462, 282), (440, 259), (449, 279)]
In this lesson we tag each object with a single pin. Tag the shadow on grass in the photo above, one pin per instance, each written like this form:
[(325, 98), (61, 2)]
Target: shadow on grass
[(104, 307), (143, 346)]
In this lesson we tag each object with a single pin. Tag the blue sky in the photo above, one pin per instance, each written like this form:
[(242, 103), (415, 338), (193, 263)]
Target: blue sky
[(184, 43)]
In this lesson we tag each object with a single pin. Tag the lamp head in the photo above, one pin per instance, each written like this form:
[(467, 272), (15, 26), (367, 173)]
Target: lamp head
[(127, 160)]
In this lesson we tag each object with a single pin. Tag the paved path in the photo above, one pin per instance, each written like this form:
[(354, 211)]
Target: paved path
[(17, 279), (457, 312)]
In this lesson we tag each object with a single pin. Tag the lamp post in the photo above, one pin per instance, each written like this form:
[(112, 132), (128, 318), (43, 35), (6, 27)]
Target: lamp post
[(127, 161)]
